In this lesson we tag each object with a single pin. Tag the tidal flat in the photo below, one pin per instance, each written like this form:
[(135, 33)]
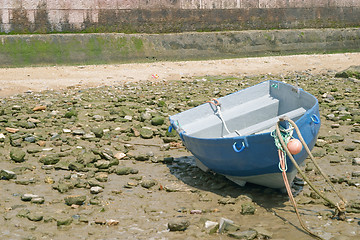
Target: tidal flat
[(99, 163)]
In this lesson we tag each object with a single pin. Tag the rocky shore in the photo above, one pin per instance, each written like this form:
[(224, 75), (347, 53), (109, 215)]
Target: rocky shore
[(99, 163)]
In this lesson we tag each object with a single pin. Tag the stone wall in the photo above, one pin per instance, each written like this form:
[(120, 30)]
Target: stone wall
[(98, 48), (159, 16)]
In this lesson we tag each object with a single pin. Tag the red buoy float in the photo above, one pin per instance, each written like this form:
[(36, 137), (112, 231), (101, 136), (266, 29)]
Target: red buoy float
[(294, 146)]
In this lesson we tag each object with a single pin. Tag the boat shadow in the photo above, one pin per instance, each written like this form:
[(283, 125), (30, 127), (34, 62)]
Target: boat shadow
[(184, 168)]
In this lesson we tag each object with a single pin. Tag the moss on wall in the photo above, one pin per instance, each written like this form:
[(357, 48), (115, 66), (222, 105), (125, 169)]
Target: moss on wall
[(50, 49)]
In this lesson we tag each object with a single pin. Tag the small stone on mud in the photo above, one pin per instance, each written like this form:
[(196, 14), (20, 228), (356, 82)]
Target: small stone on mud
[(178, 224), (148, 183), (77, 200)]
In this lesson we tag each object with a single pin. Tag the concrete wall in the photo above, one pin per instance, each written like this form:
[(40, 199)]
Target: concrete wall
[(50, 49), (156, 16)]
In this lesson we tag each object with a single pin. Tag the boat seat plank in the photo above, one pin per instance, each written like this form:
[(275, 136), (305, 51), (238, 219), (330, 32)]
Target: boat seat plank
[(230, 115), (267, 125)]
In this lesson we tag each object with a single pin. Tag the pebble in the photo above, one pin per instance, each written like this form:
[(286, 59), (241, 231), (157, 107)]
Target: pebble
[(96, 190), (7, 174), (17, 155), (178, 224), (249, 234), (148, 183), (248, 209), (356, 161), (77, 200)]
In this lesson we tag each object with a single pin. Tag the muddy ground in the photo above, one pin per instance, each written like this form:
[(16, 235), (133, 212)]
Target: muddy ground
[(98, 163)]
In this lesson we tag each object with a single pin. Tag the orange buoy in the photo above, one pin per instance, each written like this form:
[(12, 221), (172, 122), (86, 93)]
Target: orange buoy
[(294, 146)]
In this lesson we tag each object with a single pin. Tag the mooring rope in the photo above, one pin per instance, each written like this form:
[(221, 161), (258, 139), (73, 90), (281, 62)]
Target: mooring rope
[(283, 149)]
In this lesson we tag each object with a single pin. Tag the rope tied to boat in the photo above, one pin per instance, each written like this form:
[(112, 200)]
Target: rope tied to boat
[(286, 135), (217, 104), (282, 151)]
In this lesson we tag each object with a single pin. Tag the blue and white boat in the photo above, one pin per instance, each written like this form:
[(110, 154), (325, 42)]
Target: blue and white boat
[(233, 136)]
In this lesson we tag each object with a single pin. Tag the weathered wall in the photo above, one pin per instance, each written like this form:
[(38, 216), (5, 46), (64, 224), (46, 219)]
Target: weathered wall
[(156, 16), (49, 49)]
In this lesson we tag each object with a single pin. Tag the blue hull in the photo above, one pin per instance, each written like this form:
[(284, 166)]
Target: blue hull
[(248, 156)]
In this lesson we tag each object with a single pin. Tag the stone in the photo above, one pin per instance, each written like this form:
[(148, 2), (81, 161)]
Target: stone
[(146, 133), (64, 221), (142, 157), (148, 183), (246, 235), (352, 71), (178, 224), (38, 200), (76, 166), (76, 199), (157, 121), (356, 161), (120, 155), (39, 108), (350, 148), (17, 155), (355, 174), (102, 164), (123, 170), (96, 190), (227, 225), (99, 132), (7, 174), (50, 159), (28, 196), (248, 209), (101, 176), (36, 217)]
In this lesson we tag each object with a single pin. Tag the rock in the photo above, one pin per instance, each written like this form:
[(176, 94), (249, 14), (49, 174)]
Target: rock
[(98, 118), (157, 121), (263, 233), (336, 138), (178, 224), (39, 108), (356, 161), (27, 197), (17, 155), (352, 71), (120, 155), (38, 200), (7, 175), (148, 183), (12, 130), (227, 200), (248, 209), (350, 148), (96, 190), (142, 157), (246, 235), (355, 174), (64, 221), (146, 133), (102, 164), (50, 159), (124, 170), (78, 132), (101, 176), (227, 225), (99, 132), (70, 114), (36, 217), (77, 200), (211, 226), (23, 213), (145, 116), (76, 166)]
